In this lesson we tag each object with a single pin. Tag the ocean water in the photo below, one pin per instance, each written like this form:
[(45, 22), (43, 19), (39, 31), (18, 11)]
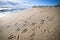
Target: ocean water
[(2, 10), (5, 11), (8, 6)]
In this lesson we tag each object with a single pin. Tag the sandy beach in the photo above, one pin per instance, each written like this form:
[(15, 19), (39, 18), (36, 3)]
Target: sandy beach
[(38, 23)]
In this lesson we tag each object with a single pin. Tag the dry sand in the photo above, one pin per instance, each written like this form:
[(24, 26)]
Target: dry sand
[(41, 23)]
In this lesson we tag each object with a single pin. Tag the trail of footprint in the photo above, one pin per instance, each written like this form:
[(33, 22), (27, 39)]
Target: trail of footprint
[(33, 24), (25, 30), (11, 36), (32, 34), (50, 18), (18, 37), (8, 26), (39, 25), (18, 29), (15, 24)]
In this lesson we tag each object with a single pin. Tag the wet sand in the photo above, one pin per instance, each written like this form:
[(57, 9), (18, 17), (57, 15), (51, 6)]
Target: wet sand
[(33, 24)]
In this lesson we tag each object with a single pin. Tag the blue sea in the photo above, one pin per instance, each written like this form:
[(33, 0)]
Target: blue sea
[(2, 10)]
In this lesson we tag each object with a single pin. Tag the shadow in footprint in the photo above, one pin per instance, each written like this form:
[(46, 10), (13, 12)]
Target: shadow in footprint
[(25, 30)]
